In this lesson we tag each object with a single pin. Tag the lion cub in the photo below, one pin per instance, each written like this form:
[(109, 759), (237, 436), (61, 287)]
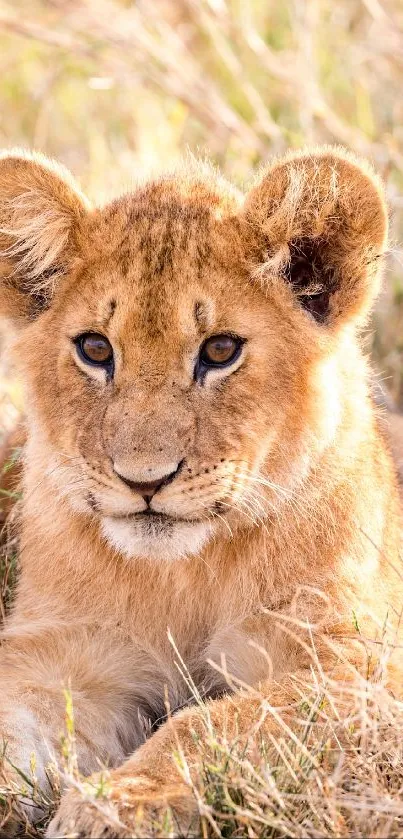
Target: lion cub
[(202, 455)]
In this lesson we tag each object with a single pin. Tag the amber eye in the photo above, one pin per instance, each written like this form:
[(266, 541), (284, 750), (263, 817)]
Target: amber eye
[(95, 349), (220, 350)]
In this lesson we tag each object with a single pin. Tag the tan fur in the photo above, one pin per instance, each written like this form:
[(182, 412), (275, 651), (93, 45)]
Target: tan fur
[(285, 507)]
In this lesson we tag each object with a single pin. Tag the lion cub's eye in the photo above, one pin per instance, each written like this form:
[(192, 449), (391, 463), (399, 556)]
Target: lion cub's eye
[(220, 350), (94, 349)]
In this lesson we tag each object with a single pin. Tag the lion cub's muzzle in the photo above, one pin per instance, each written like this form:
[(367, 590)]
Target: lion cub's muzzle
[(157, 527)]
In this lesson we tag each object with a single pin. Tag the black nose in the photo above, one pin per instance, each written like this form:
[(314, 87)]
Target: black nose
[(147, 489)]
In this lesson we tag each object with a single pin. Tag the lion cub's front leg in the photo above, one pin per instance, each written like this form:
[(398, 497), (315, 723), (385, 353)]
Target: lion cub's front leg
[(145, 797), (152, 794), (37, 675), (156, 792)]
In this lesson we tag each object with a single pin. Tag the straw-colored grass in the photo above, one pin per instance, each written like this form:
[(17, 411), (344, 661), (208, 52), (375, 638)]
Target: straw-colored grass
[(335, 771)]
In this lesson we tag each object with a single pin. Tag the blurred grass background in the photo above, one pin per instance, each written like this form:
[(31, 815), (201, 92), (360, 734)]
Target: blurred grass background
[(115, 87)]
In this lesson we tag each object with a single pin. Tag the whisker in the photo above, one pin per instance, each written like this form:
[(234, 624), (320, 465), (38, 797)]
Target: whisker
[(258, 479), (224, 521), (235, 506)]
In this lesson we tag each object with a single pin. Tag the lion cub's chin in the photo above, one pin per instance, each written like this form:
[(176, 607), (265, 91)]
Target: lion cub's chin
[(156, 539)]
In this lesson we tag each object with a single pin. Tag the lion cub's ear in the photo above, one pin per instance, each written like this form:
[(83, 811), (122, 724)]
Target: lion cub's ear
[(319, 220), (41, 212)]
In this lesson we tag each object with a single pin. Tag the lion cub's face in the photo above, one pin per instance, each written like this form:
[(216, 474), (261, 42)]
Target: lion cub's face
[(181, 388), (163, 377)]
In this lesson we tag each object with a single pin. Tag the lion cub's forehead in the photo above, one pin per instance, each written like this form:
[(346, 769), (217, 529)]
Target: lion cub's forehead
[(166, 251), (167, 222)]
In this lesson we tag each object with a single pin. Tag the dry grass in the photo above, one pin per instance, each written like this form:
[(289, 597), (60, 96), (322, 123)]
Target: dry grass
[(336, 773), (327, 778)]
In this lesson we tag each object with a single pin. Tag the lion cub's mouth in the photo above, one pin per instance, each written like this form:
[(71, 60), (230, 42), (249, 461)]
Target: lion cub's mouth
[(155, 535), (155, 524), (150, 517), (149, 514)]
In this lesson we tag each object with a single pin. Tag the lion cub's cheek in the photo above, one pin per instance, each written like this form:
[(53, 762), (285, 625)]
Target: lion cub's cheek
[(166, 541)]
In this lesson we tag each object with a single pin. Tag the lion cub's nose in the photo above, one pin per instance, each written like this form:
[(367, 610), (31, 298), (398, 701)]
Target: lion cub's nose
[(147, 488)]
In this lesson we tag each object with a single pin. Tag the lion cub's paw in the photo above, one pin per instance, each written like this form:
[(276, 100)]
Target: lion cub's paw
[(129, 807)]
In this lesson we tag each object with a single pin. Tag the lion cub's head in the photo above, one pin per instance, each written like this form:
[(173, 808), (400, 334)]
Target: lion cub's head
[(181, 347)]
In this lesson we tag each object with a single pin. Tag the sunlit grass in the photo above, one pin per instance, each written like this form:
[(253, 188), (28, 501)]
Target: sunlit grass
[(337, 771)]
